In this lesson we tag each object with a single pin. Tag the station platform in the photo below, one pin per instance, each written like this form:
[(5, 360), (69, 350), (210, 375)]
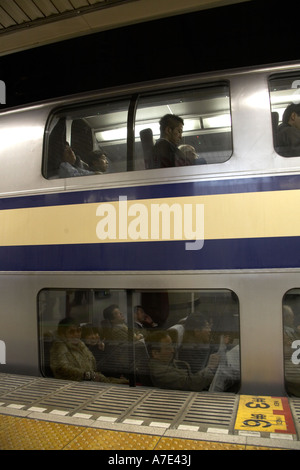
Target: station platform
[(48, 414)]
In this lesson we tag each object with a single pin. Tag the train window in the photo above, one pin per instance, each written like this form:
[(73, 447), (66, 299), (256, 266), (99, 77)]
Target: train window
[(87, 141), (206, 126), (285, 109), (176, 339), (291, 341), (93, 139)]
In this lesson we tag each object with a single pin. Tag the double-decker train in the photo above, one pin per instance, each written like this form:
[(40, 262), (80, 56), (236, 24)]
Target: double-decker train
[(214, 235)]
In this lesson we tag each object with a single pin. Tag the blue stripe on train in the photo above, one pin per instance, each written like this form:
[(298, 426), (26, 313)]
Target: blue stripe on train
[(143, 256), (193, 188)]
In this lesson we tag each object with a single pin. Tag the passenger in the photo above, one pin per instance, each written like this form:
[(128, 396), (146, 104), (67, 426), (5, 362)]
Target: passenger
[(288, 133), (196, 347), (119, 342), (115, 332), (98, 161), (191, 157), (91, 338), (166, 152), (189, 153), (166, 372), (142, 319), (114, 326), (81, 164), (70, 359), (139, 317), (68, 167)]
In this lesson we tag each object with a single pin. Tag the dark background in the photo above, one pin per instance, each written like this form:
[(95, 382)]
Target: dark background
[(252, 33)]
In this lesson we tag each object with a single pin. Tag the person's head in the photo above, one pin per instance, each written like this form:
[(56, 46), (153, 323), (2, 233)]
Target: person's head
[(160, 346), (171, 128), (291, 115), (189, 153), (113, 314), (98, 161), (89, 335), (139, 313), (68, 154), (68, 329), (198, 328)]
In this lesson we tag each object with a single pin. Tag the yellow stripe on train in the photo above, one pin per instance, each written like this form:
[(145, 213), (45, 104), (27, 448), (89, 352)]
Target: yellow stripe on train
[(226, 216)]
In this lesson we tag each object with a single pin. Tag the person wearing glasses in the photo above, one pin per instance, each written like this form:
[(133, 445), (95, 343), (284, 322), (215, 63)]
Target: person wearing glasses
[(167, 372)]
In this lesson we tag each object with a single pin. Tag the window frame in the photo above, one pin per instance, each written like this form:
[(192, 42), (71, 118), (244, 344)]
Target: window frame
[(132, 102), (184, 300), (277, 112)]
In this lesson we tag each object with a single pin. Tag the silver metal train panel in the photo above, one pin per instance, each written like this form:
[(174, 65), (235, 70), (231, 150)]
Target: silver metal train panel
[(259, 283)]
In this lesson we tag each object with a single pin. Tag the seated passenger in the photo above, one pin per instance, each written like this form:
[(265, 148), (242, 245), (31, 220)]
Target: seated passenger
[(115, 332), (114, 326), (118, 342), (189, 153), (68, 167), (196, 348), (70, 359), (166, 372), (165, 151), (142, 319), (288, 133), (191, 158), (97, 161), (91, 338)]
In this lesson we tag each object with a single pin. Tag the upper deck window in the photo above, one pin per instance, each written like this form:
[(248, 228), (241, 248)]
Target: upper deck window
[(114, 137), (285, 108), (191, 127), (87, 141)]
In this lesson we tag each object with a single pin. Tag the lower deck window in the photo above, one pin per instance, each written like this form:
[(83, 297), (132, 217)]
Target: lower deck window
[(173, 339)]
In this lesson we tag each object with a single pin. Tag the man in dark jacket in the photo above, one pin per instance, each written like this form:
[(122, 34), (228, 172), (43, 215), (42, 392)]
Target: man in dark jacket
[(166, 152), (288, 134), (169, 373)]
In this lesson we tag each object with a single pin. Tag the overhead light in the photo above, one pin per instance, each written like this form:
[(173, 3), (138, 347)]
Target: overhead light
[(112, 135), (285, 96), (222, 120)]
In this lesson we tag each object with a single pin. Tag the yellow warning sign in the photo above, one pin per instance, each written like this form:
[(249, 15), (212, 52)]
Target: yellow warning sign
[(264, 414)]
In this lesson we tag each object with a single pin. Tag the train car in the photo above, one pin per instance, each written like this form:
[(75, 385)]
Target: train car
[(208, 234)]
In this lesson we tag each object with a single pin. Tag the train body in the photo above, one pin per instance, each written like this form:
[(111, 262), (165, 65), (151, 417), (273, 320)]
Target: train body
[(217, 235)]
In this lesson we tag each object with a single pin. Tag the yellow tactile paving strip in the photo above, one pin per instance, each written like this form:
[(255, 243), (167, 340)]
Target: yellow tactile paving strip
[(30, 434)]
